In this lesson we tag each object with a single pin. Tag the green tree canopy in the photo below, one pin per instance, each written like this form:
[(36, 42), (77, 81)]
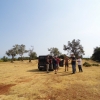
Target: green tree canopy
[(21, 50), (96, 54), (17, 49), (32, 54), (12, 52), (74, 47), (54, 51)]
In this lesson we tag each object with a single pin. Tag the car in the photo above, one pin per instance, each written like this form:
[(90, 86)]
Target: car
[(42, 63)]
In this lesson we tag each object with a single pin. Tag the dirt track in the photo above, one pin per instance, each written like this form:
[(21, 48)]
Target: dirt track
[(23, 81)]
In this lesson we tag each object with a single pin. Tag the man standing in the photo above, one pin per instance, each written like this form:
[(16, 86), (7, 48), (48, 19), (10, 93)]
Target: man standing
[(47, 64), (51, 63), (73, 62), (55, 65), (66, 63), (58, 60), (80, 64)]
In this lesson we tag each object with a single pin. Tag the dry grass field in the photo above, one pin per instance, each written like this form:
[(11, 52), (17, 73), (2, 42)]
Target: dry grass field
[(23, 81)]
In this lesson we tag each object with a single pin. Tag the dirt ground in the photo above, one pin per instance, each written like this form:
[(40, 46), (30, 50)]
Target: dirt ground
[(23, 81)]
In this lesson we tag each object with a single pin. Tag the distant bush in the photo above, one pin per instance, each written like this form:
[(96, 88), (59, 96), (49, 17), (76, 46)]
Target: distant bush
[(86, 64), (24, 58), (86, 58), (4, 59), (96, 54), (1, 60), (95, 64)]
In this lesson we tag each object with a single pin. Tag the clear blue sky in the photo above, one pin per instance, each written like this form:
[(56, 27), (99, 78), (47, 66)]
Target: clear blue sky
[(49, 23)]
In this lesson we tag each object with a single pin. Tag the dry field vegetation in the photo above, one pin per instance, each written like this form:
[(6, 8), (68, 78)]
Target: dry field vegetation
[(23, 81)]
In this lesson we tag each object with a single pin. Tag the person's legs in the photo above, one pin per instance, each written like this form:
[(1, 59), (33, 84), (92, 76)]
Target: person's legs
[(51, 66), (56, 68), (73, 69), (55, 71), (65, 67), (47, 68), (81, 68)]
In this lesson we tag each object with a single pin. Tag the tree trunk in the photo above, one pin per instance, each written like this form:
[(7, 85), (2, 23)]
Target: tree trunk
[(29, 59), (12, 59), (21, 58)]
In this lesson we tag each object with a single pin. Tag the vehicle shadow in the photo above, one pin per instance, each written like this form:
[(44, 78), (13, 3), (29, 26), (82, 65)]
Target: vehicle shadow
[(44, 72), (33, 70), (38, 71)]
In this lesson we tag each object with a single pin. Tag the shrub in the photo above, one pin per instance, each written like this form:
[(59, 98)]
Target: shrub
[(86, 59), (95, 64), (86, 64), (4, 59), (1, 60)]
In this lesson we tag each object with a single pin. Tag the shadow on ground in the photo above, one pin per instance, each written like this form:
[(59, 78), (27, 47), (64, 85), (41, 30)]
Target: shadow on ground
[(33, 70), (37, 71), (44, 72)]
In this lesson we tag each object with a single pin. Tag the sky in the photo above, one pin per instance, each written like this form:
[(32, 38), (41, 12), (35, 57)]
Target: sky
[(45, 24)]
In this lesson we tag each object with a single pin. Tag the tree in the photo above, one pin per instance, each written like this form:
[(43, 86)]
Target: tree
[(74, 47), (21, 50), (12, 52), (54, 51), (96, 54), (62, 56), (32, 54)]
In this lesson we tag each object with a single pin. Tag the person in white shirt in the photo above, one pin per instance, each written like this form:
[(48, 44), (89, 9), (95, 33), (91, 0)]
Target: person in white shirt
[(79, 60)]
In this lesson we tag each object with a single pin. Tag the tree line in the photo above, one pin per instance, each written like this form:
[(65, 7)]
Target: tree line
[(72, 47), (20, 50)]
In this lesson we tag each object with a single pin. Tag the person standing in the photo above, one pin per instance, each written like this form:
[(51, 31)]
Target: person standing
[(47, 64), (58, 60), (51, 63), (66, 63), (55, 65), (73, 62), (79, 60)]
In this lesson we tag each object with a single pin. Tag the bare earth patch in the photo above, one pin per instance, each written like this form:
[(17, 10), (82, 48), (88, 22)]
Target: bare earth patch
[(5, 88), (23, 81)]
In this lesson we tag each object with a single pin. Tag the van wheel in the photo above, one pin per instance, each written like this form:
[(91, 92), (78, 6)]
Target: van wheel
[(40, 69)]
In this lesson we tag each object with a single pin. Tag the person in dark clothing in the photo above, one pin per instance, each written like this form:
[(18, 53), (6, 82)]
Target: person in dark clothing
[(51, 63), (47, 64), (58, 60), (73, 62), (55, 64)]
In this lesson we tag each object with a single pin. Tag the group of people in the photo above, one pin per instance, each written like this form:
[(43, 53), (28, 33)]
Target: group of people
[(54, 63), (73, 63)]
